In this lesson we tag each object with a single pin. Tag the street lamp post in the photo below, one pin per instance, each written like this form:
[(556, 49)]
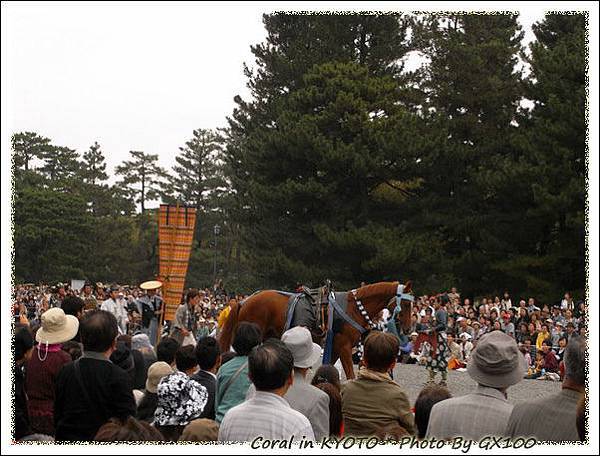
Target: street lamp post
[(216, 231)]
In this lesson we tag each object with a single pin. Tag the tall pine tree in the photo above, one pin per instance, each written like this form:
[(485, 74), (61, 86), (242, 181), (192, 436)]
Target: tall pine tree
[(141, 177), (472, 92)]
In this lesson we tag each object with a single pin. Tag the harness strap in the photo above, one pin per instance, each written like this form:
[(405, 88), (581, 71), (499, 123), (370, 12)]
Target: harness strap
[(363, 311), (344, 315), (290, 315)]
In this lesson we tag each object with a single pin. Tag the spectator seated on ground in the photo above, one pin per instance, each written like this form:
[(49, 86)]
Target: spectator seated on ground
[(200, 430), (267, 414), (166, 350), (208, 357), (232, 378), (428, 397), (92, 390), (373, 400), (185, 360), (149, 400), (327, 374), (128, 430), (180, 401), (553, 418), (495, 364)]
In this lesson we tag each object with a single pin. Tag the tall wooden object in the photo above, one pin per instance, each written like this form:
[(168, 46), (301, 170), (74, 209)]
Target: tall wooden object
[(175, 236)]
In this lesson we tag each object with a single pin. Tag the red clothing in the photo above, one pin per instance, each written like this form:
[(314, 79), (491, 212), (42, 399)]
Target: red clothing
[(40, 385), (550, 362)]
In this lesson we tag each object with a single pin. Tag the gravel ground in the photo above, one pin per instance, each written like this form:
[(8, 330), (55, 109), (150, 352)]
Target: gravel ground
[(413, 377)]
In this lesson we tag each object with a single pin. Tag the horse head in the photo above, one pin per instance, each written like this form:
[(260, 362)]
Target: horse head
[(402, 304), (395, 296)]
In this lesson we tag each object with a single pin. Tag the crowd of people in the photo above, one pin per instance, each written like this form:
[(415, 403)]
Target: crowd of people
[(88, 368), (541, 331)]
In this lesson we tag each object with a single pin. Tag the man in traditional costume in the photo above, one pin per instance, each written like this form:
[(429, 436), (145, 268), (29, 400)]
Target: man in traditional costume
[(151, 308)]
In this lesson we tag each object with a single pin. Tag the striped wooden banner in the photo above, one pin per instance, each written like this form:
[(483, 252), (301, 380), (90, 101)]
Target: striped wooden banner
[(175, 235)]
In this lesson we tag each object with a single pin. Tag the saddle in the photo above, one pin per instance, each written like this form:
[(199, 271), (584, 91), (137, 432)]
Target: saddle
[(309, 308)]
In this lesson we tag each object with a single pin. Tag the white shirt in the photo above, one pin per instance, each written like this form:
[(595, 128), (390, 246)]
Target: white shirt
[(118, 310), (266, 415)]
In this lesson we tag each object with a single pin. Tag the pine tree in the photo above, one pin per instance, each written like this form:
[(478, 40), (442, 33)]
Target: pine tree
[(141, 177), (61, 166), (553, 140), (284, 154), (28, 146), (94, 166), (197, 170), (472, 92)]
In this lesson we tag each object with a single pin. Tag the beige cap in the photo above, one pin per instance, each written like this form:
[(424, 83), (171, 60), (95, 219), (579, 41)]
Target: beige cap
[(156, 372)]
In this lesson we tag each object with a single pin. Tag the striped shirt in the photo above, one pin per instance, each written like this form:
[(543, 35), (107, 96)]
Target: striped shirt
[(265, 415)]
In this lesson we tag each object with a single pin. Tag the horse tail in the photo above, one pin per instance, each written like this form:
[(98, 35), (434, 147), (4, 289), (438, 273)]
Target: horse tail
[(226, 336)]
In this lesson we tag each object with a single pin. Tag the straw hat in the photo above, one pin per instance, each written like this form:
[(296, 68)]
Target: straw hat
[(57, 327), (151, 285)]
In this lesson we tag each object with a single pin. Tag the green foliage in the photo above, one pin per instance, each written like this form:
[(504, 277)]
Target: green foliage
[(141, 177), (343, 166)]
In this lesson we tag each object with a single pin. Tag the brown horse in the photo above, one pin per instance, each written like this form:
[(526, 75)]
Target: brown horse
[(268, 310)]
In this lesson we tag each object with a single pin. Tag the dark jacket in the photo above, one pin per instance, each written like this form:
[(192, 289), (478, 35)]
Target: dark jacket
[(147, 407), (109, 394), (22, 426), (210, 383)]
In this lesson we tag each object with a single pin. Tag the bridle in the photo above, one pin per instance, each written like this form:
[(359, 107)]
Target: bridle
[(400, 296)]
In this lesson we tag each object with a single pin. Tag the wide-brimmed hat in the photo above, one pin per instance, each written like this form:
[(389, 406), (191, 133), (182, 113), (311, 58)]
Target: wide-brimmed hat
[(180, 400), (466, 335), (156, 372), (151, 285), (299, 341), (496, 361), (57, 327)]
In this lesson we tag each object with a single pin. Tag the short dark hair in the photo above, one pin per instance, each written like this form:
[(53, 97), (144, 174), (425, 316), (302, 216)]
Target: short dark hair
[(247, 336), (207, 352), (23, 341), (428, 397), (270, 365), (72, 305), (185, 358), (227, 356), (98, 330), (166, 350), (547, 342), (73, 348), (381, 350), (128, 430), (191, 294)]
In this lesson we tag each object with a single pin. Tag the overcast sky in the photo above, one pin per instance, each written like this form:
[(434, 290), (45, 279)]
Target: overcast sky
[(131, 77)]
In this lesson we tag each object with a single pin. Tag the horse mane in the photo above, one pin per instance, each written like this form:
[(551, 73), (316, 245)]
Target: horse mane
[(377, 289)]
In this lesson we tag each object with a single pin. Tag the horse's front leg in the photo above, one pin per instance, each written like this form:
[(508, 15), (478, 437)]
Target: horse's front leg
[(343, 349)]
